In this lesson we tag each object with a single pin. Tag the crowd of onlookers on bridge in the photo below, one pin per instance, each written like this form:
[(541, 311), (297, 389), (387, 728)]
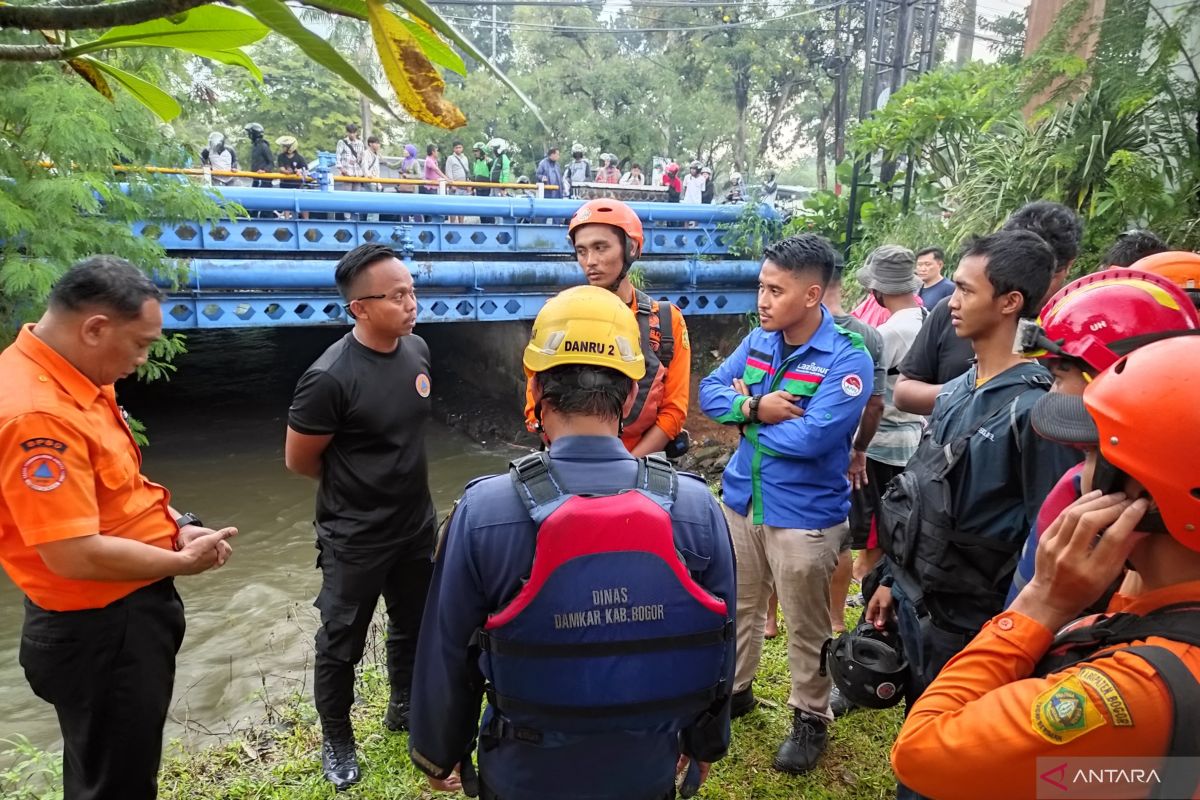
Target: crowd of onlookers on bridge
[(359, 165)]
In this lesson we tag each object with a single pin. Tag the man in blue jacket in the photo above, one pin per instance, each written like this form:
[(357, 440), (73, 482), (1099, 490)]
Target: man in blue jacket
[(549, 173), (602, 633), (796, 387)]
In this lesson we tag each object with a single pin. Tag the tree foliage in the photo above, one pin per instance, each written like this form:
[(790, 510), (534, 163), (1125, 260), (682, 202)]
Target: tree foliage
[(409, 45), (51, 216), (1113, 135)]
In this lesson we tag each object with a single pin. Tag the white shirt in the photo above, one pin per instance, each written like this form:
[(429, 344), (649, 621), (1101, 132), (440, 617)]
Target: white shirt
[(693, 188), (899, 432)]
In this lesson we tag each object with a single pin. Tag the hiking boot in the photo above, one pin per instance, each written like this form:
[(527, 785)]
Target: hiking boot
[(396, 718), (804, 745), (840, 703), (339, 761), (743, 703)]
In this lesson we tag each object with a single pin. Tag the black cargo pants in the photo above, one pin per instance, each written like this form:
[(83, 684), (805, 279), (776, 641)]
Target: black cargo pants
[(109, 673)]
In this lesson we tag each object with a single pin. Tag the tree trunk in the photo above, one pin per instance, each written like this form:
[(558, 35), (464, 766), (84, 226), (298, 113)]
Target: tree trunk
[(778, 109), (364, 114), (966, 34), (822, 173)]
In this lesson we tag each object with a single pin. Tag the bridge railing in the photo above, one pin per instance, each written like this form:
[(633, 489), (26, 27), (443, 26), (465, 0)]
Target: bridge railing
[(473, 259), (310, 223)]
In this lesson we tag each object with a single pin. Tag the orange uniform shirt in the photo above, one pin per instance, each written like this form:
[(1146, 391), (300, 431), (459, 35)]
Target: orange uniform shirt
[(980, 727), (672, 413), (68, 468)]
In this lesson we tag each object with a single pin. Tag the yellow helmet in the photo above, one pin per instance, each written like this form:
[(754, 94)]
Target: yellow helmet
[(586, 325)]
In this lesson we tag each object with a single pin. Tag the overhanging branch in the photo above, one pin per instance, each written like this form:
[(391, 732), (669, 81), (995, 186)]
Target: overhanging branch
[(105, 15), (30, 52)]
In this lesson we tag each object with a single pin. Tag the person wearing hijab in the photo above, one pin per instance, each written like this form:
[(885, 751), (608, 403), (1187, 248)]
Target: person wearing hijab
[(411, 167)]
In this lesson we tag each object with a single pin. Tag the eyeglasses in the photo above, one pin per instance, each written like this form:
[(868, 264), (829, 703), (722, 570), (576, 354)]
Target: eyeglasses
[(368, 297)]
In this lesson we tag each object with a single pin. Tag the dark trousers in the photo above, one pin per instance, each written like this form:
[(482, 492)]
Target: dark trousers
[(109, 673), (350, 589), (927, 647), (486, 793)]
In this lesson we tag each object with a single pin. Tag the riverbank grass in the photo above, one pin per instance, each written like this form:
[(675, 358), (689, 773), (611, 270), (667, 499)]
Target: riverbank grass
[(280, 759)]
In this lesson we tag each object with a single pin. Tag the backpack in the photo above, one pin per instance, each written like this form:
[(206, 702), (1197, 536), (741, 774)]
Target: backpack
[(609, 632), (917, 515), (1180, 623)]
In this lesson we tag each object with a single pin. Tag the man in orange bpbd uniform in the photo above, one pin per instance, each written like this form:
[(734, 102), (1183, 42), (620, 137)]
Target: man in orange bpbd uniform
[(607, 237), (90, 541), (1022, 712)]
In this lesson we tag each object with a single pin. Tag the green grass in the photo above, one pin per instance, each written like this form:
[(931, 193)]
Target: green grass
[(279, 758)]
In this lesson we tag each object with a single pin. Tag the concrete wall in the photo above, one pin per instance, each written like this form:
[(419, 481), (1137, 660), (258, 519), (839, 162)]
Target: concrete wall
[(485, 356)]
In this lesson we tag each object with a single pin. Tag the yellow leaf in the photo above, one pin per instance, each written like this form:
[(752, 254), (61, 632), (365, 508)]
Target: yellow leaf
[(418, 84), (92, 75)]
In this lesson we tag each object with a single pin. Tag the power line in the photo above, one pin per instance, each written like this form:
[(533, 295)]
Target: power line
[(678, 29)]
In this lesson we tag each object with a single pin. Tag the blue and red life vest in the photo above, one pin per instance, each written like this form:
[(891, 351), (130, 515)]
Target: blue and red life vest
[(610, 631)]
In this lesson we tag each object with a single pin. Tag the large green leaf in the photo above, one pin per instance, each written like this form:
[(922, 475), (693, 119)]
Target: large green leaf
[(235, 58), (279, 18), (207, 28), (435, 49), (422, 11), (143, 91)]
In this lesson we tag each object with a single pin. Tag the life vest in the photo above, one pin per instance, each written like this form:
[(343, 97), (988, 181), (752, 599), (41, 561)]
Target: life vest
[(1098, 637), (658, 348), (609, 632)]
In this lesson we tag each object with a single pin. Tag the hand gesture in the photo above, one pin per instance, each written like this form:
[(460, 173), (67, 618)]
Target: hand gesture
[(204, 549), (778, 406), (1080, 555)]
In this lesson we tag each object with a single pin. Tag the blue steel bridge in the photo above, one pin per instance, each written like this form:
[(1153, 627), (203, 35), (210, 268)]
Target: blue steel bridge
[(264, 271)]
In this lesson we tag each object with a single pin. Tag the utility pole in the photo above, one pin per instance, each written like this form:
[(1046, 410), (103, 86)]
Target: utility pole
[(493, 33), (889, 61)]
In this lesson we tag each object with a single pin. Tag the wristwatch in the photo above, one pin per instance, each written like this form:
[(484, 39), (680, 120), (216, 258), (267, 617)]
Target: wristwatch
[(752, 407), (188, 518)]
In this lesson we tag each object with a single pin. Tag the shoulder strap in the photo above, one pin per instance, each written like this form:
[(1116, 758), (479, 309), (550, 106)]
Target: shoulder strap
[(657, 477), (536, 485), (666, 329), (1179, 623), (1180, 777)]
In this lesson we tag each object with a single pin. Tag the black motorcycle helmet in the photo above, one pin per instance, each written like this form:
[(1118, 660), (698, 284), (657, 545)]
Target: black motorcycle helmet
[(867, 665)]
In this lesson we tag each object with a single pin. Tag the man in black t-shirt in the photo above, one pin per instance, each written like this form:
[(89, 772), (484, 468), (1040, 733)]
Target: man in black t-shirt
[(357, 424), (939, 355)]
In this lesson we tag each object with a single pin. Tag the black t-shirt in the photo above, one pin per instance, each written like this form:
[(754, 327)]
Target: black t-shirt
[(937, 354), (294, 161), (374, 488)]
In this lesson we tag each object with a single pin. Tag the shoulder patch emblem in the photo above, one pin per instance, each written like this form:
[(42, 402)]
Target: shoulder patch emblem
[(852, 386), (43, 472), (1110, 695), (1065, 712), (423, 385)]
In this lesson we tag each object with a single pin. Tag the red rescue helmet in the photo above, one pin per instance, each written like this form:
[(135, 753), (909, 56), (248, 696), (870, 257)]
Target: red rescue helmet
[(617, 214), (1149, 421), (1091, 318)]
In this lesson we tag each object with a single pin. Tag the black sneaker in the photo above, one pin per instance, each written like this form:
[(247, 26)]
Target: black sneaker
[(339, 761), (804, 745), (840, 703), (743, 703), (396, 718)]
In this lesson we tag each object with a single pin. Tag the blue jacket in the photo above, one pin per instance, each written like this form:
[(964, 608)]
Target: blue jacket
[(793, 474), (486, 555), (548, 172)]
